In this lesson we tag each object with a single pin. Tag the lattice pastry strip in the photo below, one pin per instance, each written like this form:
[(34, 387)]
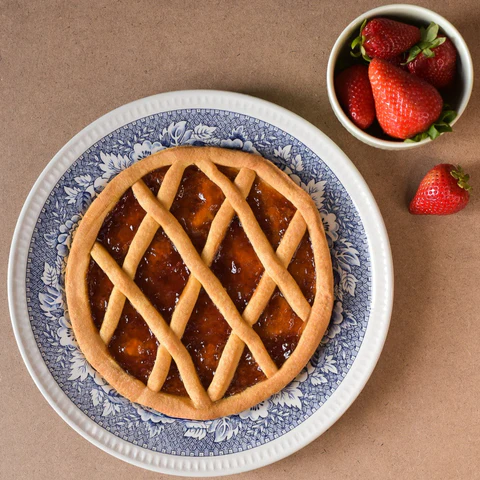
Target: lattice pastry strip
[(205, 276), (186, 303), (155, 321), (272, 264), (233, 350), (141, 241)]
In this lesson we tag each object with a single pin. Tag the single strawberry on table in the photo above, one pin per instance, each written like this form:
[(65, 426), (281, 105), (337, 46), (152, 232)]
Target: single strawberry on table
[(444, 190), (434, 59), (355, 95), (384, 38), (405, 104)]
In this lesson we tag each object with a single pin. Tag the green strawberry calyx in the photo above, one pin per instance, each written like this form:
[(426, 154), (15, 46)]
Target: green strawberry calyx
[(358, 42), (442, 125), (429, 40), (462, 178)]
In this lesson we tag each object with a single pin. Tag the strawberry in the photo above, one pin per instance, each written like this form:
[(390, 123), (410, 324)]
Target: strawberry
[(355, 95), (434, 58), (444, 190), (439, 69), (405, 104), (384, 38)]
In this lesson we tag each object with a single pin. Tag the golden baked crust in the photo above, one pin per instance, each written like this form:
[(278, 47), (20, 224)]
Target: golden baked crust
[(201, 404)]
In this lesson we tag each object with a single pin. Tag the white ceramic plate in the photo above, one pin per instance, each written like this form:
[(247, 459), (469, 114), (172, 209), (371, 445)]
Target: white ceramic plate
[(287, 421)]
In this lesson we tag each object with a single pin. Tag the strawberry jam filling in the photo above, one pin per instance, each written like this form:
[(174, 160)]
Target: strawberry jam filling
[(162, 276)]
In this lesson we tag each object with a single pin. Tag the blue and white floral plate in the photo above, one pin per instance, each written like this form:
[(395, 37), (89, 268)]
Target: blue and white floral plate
[(288, 420)]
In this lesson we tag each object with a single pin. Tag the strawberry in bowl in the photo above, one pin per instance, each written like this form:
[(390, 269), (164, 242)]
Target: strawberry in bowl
[(384, 38), (407, 107), (434, 59), (355, 95)]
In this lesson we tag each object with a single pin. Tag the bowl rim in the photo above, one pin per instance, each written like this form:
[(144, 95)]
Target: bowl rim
[(393, 9)]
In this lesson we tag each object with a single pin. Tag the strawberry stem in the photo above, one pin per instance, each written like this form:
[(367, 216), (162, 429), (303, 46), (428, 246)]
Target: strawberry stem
[(442, 125), (461, 177), (358, 42), (429, 40)]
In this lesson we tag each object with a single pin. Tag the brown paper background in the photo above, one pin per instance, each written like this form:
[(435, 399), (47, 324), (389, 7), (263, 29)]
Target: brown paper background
[(64, 64)]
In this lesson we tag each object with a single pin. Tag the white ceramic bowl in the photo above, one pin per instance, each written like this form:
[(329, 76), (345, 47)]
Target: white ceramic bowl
[(408, 14)]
